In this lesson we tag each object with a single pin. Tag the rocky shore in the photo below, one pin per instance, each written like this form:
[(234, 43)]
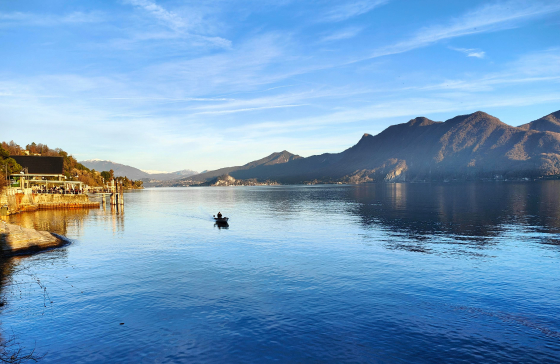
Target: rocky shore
[(15, 240)]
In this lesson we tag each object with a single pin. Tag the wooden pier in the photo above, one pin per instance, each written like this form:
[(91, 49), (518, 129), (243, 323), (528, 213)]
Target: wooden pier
[(114, 192)]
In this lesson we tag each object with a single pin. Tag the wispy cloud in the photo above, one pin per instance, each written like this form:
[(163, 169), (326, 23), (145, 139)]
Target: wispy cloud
[(536, 67), (274, 101), (351, 9), (488, 18), (168, 17), (254, 62), (31, 19), (234, 111), (345, 33), (470, 52), (180, 26)]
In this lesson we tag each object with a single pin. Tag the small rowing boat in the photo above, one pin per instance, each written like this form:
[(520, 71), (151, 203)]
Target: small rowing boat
[(221, 220)]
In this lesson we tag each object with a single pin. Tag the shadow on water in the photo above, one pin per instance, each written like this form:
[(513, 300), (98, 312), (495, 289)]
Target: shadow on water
[(221, 225)]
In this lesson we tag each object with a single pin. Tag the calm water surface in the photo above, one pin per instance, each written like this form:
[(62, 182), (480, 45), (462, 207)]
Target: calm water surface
[(388, 273)]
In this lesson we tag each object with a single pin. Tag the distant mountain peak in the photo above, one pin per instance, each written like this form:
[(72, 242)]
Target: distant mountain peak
[(274, 158), (365, 138), (270, 160), (283, 153), (420, 121), (474, 118), (481, 113)]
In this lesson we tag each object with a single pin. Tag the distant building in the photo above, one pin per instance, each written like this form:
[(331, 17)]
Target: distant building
[(43, 175), (46, 166)]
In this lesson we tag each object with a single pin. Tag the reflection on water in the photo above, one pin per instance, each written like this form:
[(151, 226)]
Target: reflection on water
[(388, 273), (474, 214), (69, 222), (463, 209), (427, 218)]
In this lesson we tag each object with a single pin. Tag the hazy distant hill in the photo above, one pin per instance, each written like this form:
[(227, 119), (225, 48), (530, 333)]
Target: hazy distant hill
[(273, 159), (172, 175), (470, 146), (122, 170), (551, 122)]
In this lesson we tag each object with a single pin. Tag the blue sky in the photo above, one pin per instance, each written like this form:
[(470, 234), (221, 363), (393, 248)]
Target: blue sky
[(168, 85)]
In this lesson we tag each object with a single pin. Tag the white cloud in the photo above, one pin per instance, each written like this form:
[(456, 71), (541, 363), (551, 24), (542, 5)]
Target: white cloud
[(30, 19), (351, 9), (192, 27), (470, 52), (488, 18), (531, 68), (345, 33), (234, 111), (240, 69), (170, 18)]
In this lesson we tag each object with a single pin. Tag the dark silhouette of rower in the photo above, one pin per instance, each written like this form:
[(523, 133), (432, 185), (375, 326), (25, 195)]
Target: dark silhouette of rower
[(219, 215)]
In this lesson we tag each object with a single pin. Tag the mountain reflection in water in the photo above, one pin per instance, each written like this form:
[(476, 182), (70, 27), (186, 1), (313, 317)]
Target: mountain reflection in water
[(463, 213), (463, 209), (450, 218)]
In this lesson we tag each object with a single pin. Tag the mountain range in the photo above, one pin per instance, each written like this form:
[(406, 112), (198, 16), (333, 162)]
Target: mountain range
[(122, 170), (470, 146)]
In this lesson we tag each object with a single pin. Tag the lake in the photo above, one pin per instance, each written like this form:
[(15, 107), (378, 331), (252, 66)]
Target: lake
[(380, 273)]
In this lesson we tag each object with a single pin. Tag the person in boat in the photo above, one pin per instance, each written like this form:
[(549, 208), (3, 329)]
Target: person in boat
[(219, 215)]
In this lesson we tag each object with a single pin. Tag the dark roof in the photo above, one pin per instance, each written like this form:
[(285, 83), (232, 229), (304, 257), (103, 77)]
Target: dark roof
[(40, 165)]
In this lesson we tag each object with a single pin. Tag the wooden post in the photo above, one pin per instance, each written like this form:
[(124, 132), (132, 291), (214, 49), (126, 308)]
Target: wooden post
[(113, 195), (121, 195)]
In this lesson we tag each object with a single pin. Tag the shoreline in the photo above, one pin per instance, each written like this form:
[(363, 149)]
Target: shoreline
[(339, 183)]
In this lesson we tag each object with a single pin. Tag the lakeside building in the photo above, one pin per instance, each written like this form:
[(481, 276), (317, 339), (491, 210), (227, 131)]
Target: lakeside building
[(42, 185), (43, 175)]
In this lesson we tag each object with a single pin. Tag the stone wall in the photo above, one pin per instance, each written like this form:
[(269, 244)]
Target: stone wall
[(20, 201), (44, 201)]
